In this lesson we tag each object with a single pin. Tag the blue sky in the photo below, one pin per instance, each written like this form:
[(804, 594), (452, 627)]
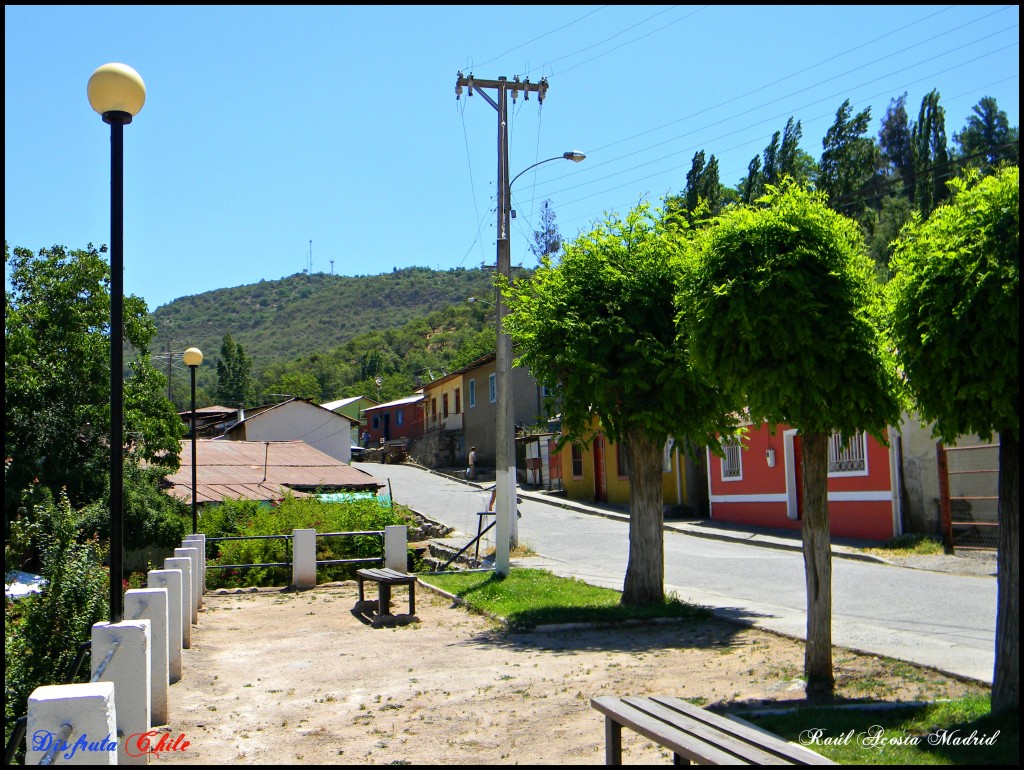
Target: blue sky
[(275, 138)]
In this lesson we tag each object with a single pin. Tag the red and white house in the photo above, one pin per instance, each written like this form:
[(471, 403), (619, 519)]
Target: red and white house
[(758, 483)]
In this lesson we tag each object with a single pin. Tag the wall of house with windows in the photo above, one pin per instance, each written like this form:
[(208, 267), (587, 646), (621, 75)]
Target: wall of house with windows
[(599, 472), (758, 483)]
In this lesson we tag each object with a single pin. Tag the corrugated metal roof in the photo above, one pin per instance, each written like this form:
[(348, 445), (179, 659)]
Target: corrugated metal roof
[(332, 405), (260, 470), (399, 402)]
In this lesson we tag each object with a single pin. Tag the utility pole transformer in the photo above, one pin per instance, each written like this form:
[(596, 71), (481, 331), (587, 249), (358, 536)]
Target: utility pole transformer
[(505, 449)]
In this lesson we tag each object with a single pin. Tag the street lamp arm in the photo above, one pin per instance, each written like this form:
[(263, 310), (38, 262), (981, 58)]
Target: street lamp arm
[(575, 157)]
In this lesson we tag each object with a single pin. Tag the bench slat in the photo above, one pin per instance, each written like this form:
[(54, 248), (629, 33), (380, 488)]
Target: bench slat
[(662, 733), (696, 734), (746, 732), (742, 750)]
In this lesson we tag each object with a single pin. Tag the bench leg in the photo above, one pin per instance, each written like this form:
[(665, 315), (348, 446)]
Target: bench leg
[(384, 596), (412, 598), (360, 579), (612, 742)]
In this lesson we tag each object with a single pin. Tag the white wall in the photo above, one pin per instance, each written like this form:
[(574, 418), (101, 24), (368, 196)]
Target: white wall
[(298, 421)]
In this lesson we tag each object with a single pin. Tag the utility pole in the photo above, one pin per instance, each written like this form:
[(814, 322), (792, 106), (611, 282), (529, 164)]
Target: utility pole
[(505, 450)]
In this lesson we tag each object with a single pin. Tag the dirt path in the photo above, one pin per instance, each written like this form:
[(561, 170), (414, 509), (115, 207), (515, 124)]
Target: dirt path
[(297, 678)]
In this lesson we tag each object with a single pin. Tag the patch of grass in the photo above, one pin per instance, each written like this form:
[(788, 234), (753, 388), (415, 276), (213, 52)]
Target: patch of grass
[(955, 732), (527, 598), (910, 545)]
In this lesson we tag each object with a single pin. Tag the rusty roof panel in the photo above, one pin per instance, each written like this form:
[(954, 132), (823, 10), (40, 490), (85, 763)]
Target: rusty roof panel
[(259, 469)]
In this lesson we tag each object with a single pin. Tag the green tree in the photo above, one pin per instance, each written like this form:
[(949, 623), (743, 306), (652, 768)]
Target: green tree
[(987, 140), (57, 376), (546, 239), (897, 148), (931, 158), (600, 324), (955, 312), (235, 385), (785, 314), (849, 161)]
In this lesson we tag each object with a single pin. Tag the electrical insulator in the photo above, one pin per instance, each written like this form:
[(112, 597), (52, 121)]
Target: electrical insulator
[(526, 96)]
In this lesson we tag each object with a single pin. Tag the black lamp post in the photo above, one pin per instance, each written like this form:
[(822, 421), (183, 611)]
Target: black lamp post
[(193, 357), (117, 93)]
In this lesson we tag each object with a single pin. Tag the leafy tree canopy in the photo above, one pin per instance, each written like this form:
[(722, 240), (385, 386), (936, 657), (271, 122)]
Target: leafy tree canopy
[(57, 375), (600, 324), (785, 310), (955, 308)]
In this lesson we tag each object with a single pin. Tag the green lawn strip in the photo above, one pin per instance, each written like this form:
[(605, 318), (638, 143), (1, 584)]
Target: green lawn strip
[(956, 732), (527, 598), (909, 545)]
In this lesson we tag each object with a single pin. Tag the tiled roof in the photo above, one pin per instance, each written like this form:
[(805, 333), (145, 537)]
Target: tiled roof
[(261, 470)]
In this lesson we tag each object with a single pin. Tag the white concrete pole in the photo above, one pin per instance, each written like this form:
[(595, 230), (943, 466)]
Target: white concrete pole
[(198, 540), (78, 720), (304, 558), (120, 654), (395, 547), (184, 566), (191, 552), (170, 579), (151, 604)]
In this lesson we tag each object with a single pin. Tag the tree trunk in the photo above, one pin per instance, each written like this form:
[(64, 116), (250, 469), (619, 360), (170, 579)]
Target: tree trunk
[(817, 566), (645, 572), (1006, 675)]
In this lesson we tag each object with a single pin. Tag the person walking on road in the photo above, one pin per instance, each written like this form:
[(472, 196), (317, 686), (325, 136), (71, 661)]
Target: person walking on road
[(471, 470)]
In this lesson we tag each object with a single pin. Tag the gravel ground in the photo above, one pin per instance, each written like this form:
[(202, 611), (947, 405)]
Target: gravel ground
[(299, 677)]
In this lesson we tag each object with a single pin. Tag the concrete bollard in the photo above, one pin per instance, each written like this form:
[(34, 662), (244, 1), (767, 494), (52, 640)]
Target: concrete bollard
[(128, 668), (170, 580), (191, 552), (87, 709), (198, 540), (304, 558), (396, 548), (184, 566), (151, 604)]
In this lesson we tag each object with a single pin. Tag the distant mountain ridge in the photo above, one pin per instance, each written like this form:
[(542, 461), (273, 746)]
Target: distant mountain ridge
[(278, 321)]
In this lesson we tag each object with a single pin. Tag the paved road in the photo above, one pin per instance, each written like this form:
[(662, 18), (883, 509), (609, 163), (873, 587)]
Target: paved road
[(939, 620)]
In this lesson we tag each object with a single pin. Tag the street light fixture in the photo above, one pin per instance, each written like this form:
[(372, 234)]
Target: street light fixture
[(505, 455), (117, 93), (193, 357)]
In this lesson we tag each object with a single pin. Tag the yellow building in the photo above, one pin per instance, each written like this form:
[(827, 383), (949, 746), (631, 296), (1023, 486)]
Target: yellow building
[(598, 472)]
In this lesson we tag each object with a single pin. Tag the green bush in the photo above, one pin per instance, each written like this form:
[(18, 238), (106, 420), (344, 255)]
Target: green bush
[(42, 632), (246, 518)]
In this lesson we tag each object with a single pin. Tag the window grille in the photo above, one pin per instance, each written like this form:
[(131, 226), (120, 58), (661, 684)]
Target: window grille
[(732, 463), (848, 458)]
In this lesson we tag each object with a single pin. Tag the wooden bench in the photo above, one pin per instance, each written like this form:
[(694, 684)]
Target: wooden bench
[(695, 735), (385, 578)]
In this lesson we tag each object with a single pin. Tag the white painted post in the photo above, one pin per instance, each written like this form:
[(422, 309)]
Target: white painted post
[(170, 579), (184, 566), (395, 548), (199, 541), (151, 604), (304, 558), (128, 668), (88, 709), (191, 552)]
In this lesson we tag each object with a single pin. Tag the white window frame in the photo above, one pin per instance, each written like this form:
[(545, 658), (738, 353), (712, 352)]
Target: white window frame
[(853, 454), (492, 387), (666, 455), (472, 393), (733, 458)]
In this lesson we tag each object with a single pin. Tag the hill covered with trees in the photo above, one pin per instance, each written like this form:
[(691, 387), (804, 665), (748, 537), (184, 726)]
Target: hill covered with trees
[(326, 337)]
